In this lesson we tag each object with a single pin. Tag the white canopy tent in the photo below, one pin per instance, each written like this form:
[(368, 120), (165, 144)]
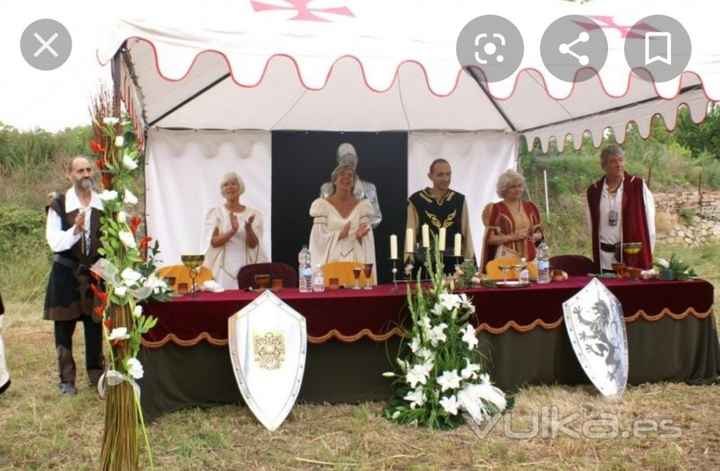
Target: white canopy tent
[(372, 65)]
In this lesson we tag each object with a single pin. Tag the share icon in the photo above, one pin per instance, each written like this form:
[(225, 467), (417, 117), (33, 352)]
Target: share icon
[(566, 48)]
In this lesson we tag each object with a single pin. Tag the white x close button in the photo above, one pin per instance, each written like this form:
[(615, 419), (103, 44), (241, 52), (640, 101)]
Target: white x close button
[(46, 44)]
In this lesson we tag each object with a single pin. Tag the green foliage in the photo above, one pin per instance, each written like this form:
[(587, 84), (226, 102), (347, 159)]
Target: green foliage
[(674, 269), (24, 255), (702, 138), (440, 371), (688, 215), (27, 149)]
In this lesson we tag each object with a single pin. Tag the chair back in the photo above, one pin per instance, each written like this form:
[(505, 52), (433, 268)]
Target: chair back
[(181, 275), (573, 265), (493, 271), (343, 271), (246, 276)]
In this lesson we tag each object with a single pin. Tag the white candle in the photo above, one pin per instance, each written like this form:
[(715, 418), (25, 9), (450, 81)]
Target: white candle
[(458, 245), (409, 241), (426, 236), (393, 247), (441, 236)]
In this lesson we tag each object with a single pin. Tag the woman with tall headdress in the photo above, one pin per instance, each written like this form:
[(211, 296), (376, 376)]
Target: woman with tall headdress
[(341, 228)]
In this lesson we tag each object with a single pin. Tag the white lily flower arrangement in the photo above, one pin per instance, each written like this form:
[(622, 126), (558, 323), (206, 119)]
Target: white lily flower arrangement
[(441, 376), (127, 269)]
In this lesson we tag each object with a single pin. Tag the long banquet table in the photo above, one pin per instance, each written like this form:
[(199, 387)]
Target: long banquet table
[(352, 334)]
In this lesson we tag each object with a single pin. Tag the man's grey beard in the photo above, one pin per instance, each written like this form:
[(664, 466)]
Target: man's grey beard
[(86, 184)]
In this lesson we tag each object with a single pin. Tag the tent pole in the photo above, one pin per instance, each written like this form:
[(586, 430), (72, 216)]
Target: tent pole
[(188, 100), (487, 93), (547, 200)]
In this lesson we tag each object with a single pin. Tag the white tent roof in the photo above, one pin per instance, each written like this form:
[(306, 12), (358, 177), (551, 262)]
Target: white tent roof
[(373, 65)]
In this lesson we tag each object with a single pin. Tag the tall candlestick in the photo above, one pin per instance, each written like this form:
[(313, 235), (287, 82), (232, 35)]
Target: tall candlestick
[(426, 236), (393, 247), (441, 236), (409, 241), (458, 245)]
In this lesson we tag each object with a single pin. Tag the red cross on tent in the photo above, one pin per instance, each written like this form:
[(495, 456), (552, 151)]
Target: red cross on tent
[(304, 11)]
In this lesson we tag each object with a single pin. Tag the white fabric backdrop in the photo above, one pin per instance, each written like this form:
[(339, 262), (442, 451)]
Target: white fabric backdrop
[(182, 184), (477, 160)]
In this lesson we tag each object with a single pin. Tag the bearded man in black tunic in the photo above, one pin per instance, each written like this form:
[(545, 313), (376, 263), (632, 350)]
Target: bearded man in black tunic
[(72, 232)]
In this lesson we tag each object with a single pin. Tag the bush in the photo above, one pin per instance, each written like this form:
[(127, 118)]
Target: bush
[(24, 253), (688, 215)]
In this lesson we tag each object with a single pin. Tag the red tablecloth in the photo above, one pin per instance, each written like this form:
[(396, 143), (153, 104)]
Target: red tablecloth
[(349, 315)]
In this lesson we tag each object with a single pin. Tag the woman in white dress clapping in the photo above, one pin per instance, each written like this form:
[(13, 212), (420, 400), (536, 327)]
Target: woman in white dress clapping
[(233, 234)]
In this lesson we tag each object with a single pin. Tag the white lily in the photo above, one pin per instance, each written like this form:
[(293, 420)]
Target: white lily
[(127, 239), (135, 368), (449, 380), (450, 405), (130, 198), (108, 195), (437, 334), (419, 373), (121, 217), (449, 301), (465, 303), (425, 354), (119, 141), (154, 282), (120, 291), (119, 333), (137, 311), (415, 398), (130, 276), (469, 336), (128, 162), (111, 120), (471, 370)]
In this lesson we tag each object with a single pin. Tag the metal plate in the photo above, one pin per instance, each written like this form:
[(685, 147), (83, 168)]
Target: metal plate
[(267, 340), (596, 327)]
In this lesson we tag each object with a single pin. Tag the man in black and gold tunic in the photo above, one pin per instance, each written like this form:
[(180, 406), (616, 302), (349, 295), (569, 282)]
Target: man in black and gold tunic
[(438, 207), (72, 232)]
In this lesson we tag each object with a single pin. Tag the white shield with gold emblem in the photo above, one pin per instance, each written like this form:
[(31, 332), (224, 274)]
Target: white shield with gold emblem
[(268, 343), (596, 327)]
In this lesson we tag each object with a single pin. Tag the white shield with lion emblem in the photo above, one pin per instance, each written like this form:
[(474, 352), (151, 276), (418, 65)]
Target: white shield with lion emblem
[(268, 342), (596, 327)]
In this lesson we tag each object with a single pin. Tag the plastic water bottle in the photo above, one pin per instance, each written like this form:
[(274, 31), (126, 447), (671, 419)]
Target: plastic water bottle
[(543, 263), (318, 280), (304, 271)]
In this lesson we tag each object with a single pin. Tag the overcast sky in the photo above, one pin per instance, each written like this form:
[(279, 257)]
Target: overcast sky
[(52, 100)]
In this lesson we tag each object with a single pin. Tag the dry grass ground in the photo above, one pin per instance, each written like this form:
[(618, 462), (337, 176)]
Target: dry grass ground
[(41, 430)]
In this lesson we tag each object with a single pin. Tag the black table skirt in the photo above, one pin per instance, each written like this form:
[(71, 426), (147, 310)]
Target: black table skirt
[(683, 350)]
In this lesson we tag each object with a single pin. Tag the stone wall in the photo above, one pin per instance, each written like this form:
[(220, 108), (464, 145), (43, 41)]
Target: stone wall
[(688, 217), (706, 204)]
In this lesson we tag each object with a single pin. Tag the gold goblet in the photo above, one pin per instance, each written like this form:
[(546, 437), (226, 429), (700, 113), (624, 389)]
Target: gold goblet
[(357, 271), (193, 264), (367, 270)]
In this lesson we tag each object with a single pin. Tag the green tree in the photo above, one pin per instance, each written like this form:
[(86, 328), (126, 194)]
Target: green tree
[(700, 138)]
